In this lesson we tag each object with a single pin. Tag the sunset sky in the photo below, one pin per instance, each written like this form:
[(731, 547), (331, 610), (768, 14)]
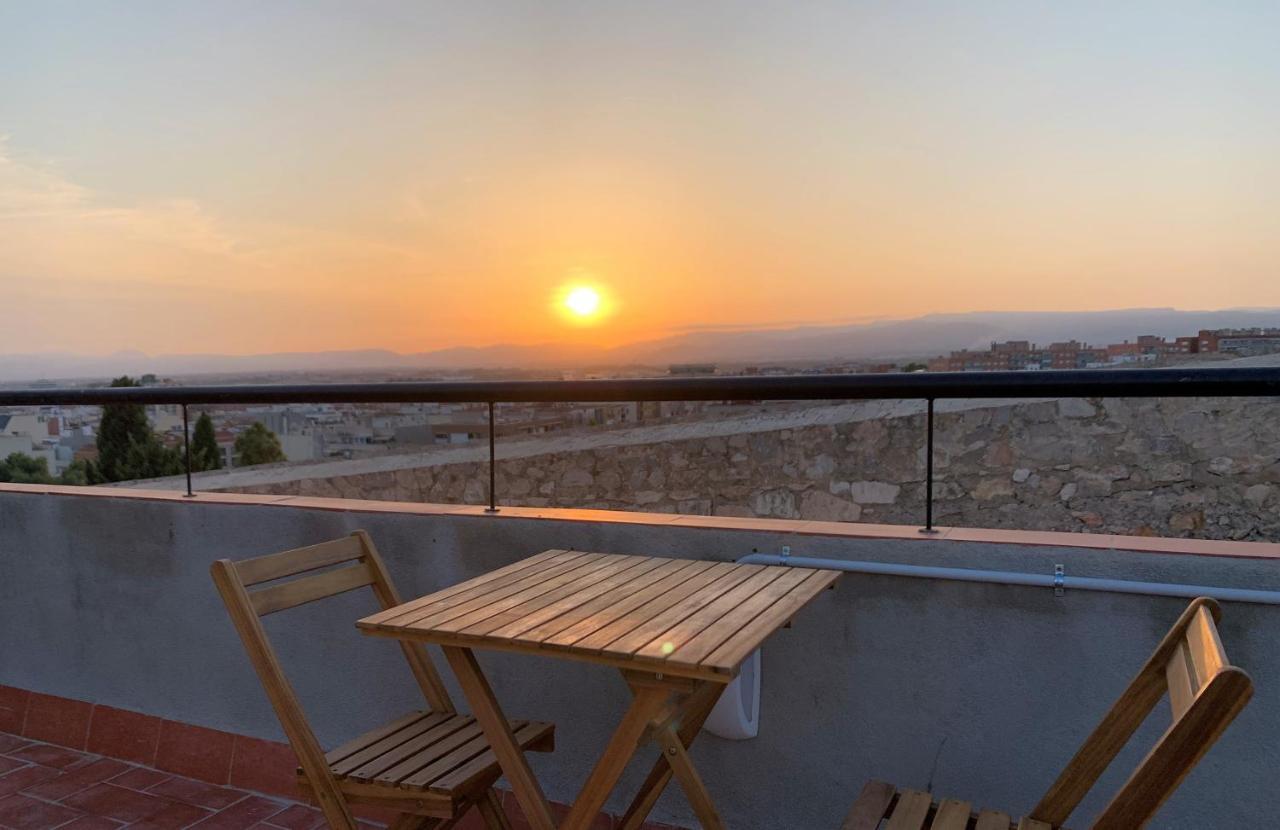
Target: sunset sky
[(253, 177)]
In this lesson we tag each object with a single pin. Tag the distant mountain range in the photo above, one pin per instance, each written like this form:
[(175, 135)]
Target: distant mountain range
[(917, 337)]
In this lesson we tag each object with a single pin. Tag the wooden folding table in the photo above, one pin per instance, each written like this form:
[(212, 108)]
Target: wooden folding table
[(678, 629)]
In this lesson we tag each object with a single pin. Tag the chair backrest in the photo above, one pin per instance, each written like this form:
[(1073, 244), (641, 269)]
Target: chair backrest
[(253, 588), (1205, 693)]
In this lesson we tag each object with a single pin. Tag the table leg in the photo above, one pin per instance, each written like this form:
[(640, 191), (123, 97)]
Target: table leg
[(648, 703), (673, 750), (700, 704), (484, 706)]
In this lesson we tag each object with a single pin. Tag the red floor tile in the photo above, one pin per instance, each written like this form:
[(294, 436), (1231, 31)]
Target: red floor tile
[(91, 823), (472, 820), (297, 817), (198, 793), (196, 752), (48, 755), (603, 821), (13, 709), (57, 720), (20, 779), (8, 743), (118, 733), (80, 778), (22, 813), (110, 801), (243, 814), (265, 767), (140, 778), (10, 764), (173, 817)]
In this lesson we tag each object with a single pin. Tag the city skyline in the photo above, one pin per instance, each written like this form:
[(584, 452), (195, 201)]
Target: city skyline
[(175, 178)]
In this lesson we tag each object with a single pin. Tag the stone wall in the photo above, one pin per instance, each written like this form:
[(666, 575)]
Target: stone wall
[(1171, 467)]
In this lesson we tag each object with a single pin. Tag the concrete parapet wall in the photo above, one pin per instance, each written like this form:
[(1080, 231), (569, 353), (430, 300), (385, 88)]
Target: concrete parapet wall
[(981, 691)]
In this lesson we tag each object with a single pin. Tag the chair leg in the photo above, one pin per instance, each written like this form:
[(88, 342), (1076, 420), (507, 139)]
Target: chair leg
[(490, 807)]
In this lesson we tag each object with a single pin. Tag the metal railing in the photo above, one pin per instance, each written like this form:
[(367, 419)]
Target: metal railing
[(926, 386)]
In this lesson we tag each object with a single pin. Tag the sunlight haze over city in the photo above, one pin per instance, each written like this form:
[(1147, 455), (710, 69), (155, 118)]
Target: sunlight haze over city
[(249, 177)]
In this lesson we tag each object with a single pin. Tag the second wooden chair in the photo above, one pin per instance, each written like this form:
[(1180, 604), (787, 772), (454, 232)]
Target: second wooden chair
[(1205, 693)]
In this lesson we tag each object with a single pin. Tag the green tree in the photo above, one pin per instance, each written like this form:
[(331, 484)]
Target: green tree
[(80, 473), (21, 468), (258, 445), (915, 367), (127, 448), (205, 454)]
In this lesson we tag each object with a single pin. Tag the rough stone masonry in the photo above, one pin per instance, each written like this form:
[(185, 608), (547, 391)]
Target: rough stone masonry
[(1169, 467)]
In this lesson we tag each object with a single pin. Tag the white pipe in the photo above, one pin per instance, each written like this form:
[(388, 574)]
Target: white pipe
[(1083, 583)]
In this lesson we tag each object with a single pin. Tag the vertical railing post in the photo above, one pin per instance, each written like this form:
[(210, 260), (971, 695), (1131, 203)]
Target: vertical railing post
[(186, 448), (493, 477), (928, 471)]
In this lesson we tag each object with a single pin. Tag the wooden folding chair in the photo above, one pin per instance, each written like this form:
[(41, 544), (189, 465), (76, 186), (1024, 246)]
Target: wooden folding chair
[(430, 766), (1205, 692)]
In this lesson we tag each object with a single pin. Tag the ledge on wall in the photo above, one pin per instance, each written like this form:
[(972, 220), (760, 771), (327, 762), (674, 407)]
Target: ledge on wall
[(799, 527)]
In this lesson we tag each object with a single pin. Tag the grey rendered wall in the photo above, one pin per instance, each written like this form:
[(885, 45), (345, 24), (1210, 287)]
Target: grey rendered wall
[(981, 692)]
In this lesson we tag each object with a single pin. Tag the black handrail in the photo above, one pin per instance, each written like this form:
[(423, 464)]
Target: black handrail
[(1084, 383), (927, 386)]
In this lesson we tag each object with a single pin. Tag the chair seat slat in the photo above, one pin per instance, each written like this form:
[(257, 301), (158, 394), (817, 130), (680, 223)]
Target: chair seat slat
[(354, 745), (426, 741), (870, 807), (379, 747), (992, 820), (952, 815), (427, 754), (469, 775), (444, 753), (911, 811)]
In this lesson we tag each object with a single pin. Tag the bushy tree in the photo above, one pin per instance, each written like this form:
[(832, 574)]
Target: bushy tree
[(80, 474), (127, 448), (258, 445), (20, 468), (205, 454)]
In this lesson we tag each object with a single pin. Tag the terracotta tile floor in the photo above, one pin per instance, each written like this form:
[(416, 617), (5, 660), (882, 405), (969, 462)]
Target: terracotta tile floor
[(43, 786)]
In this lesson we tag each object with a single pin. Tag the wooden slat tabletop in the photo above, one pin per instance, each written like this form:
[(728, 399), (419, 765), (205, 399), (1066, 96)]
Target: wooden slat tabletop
[(684, 617)]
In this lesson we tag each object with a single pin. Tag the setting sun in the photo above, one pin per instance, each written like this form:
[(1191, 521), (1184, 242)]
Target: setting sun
[(583, 301)]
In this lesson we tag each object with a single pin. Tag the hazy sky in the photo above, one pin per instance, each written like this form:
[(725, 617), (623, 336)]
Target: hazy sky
[(247, 177)]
